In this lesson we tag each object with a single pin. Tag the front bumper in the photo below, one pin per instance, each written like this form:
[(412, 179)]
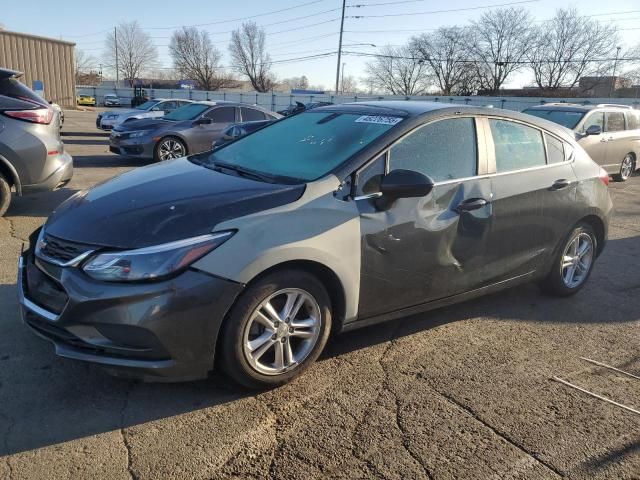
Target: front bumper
[(152, 331), (141, 147), (60, 177)]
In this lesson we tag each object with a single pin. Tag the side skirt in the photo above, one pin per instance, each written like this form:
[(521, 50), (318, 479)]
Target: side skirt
[(443, 302)]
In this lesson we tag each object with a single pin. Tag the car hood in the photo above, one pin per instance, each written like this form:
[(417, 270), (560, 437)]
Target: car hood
[(120, 111), (162, 203)]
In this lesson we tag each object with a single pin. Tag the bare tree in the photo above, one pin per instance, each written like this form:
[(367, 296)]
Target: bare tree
[(446, 53), (398, 71), (249, 56), (570, 46), (499, 41), (349, 84), (301, 82), (195, 58), (135, 50), (84, 64)]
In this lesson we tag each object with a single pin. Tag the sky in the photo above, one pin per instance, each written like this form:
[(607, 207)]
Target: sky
[(300, 29)]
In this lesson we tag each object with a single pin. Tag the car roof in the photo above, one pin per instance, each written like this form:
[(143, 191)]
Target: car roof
[(576, 107), (417, 108)]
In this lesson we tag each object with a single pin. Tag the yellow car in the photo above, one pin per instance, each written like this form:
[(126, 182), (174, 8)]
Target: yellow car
[(87, 100)]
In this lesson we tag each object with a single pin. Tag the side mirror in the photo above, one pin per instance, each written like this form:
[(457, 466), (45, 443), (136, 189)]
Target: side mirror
[(593, 130), (403, 184), (203, 121), (155, 109)]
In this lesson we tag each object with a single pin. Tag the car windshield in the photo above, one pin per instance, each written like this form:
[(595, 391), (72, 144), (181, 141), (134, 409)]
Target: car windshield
[(565, 118), (304, 147), (187, 112), (147, 105)]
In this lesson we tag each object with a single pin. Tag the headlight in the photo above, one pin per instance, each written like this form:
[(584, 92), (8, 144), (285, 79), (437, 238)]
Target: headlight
[(111, 117), (155, 262), (139, 133)]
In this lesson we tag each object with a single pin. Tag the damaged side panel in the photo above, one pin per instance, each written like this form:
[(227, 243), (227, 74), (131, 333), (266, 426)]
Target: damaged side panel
[(428, 245)]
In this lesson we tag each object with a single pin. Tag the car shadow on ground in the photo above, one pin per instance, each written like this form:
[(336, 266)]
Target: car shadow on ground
[(108, 160), (38, 204), (82, 141), (97, 133), (46, 400)]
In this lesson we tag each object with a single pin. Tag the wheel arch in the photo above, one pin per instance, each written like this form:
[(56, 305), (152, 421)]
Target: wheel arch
[(327, 277), (599, 229), (10, 174)]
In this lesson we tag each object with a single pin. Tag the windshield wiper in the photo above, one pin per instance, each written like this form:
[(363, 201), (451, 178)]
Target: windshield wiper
[(247, 172)]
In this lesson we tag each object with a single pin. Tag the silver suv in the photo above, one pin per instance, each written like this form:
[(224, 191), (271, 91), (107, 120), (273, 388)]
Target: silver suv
[(609, 133), (32, 156)]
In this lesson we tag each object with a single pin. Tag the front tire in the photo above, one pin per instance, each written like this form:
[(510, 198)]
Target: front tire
[(169, 148), (574, 262), (276, 330), (627, 168), (5, 195)]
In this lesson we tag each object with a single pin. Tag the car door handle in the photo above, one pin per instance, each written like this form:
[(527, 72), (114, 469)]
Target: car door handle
[(560, 184), (471, 204)]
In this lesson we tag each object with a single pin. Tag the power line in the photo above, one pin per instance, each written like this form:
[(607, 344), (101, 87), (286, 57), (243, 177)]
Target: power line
[(432, 12), (239, 19)]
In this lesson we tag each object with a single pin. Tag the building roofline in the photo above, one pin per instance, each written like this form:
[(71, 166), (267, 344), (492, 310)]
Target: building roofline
[(37, 37)]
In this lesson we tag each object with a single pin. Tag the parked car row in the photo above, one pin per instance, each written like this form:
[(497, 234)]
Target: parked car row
[(247, 256), (186, 130)]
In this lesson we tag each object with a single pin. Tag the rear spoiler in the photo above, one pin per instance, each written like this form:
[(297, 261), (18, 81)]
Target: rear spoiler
[(8, 73)]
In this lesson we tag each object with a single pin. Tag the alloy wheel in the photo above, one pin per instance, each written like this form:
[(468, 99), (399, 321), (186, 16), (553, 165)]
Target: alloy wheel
[(170, 149), (282, 331), (626, 169), (577, 260)]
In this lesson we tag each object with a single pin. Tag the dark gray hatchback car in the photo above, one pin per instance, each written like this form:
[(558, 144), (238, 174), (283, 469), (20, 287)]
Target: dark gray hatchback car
[(247, 257)]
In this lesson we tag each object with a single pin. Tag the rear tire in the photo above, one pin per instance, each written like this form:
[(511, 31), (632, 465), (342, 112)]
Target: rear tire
[(5, 195), (276, 330), (573, 264), (627, 167)]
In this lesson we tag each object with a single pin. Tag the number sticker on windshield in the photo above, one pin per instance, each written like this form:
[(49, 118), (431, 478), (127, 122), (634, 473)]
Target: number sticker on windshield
[(379, 119)]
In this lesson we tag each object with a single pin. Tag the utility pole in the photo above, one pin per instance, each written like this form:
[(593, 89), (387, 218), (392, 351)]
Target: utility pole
[(342, 82), (344, 6), (115, 39), (613, 74)]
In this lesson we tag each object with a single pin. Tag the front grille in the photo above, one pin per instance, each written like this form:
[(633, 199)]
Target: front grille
[(43, 290), (62, 250)]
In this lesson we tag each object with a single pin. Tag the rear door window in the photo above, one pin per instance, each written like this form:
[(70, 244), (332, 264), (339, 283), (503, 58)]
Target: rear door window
[(251, 114), (613, 121), (517, 146), (222, 115), (633, 120), (443, 150)]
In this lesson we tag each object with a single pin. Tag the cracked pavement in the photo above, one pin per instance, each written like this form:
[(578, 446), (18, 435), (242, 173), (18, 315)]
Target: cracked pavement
[(460, 392)]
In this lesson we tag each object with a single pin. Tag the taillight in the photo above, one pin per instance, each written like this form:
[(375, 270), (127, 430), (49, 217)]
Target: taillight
[(604, 176), (37, 115)]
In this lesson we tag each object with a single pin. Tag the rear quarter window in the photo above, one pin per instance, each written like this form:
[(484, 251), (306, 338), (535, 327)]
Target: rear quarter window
[(633, 120), (517, 146), (555, 150)]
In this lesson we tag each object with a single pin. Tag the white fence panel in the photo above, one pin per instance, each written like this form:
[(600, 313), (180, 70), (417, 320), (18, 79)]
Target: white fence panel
[(279, 101)]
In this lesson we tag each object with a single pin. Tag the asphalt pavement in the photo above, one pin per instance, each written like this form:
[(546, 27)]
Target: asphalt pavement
[(464, 392)]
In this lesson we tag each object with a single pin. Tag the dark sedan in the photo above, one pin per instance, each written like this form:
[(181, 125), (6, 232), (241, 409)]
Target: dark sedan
[(188, 129), (248, 256)]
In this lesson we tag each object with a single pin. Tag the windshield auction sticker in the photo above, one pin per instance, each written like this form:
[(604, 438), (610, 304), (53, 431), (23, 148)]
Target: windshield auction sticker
[(379, 119)]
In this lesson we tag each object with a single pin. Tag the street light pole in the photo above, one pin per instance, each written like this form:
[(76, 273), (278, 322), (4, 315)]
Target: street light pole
[(342, 82), (613, 74), (115, 39), (344, 6)]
